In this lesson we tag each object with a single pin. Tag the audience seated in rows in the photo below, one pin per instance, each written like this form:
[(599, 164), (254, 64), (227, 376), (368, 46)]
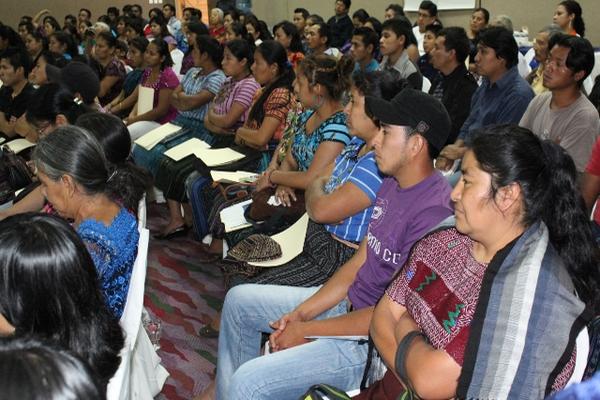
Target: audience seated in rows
[(563, 114), (227, 113), (339, 202), (415, 127), (281, 107), (502, 97)]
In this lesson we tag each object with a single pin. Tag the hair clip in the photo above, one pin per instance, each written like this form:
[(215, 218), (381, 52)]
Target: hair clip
[(77, 101)]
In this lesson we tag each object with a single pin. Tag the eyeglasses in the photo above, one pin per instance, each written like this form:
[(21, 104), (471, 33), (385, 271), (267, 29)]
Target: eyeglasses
[(42, 130)]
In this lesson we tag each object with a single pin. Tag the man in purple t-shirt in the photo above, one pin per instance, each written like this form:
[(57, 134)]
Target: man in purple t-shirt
[(412, 200)]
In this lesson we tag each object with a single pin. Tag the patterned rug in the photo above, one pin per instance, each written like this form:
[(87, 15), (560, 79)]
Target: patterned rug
[(184, 295)]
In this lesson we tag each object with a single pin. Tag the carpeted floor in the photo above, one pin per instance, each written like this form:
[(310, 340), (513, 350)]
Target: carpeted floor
[(183, 294)]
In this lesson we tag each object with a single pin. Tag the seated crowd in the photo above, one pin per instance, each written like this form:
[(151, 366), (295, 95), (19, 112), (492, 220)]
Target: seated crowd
[(446, 184)]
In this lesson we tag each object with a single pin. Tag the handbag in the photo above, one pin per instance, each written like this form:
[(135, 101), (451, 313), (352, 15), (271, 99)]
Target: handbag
[(261, 210), (323, 391)]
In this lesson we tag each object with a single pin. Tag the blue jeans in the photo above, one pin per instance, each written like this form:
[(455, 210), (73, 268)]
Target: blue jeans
[(245, 375)]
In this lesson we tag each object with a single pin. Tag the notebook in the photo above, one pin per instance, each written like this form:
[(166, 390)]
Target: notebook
[(182, 150), (155, 136), (233, 177), (19, 145), (145, 101)]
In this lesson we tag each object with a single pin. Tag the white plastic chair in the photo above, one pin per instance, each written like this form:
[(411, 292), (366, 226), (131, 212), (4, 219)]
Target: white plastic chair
[(140, 375), (426, 85), (529, 55), (523, 66), (142, 211), (583, 350)]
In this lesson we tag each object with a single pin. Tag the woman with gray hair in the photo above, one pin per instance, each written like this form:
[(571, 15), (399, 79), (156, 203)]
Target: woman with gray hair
[(76, 179)]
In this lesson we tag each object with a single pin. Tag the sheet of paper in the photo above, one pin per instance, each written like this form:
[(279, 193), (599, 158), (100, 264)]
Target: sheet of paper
[(216, 157), (291, 241), (19, 145), (233, 177), (186, 148), (233, 216), (152, 138), (145, 101)]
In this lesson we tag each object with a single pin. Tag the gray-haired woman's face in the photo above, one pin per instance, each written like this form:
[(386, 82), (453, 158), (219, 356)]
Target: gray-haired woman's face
[(57, 193)]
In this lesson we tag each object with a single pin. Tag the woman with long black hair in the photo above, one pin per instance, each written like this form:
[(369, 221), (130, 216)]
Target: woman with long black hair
[(520, 262), (49, 289)]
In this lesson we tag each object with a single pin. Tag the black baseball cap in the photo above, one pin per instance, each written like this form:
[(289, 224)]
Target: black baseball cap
[(415, 109), (77, 77)]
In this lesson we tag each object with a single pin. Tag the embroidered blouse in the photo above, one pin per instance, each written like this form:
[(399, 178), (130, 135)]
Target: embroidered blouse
[(166, 80), (113, 249), (114, 68)]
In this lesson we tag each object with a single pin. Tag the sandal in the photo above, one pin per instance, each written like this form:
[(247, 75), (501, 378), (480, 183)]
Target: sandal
[(209, 332), (175, 233)]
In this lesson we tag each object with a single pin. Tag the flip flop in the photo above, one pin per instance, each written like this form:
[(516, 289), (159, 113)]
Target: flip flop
[(175, 233)]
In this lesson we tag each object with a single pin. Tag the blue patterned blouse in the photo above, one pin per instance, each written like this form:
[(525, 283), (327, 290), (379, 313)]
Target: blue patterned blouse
[(113, 249), (305, 145)]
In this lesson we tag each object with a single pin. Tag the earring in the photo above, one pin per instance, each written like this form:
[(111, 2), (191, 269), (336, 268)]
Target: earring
[(319, 101)]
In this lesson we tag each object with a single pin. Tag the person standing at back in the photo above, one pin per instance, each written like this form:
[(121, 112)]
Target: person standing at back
[(340, 24)]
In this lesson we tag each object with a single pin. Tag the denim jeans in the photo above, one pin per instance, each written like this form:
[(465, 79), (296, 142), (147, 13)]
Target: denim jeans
[(243, 374)]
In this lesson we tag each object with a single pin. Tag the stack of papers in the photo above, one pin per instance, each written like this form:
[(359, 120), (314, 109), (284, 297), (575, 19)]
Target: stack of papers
[(155, 136), (19, 145), (233, 177), (233, 216), (210, 157), (217, 157), (182, 150)]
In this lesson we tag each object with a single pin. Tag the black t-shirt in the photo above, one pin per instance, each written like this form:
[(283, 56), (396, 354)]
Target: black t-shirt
[(15, 107)]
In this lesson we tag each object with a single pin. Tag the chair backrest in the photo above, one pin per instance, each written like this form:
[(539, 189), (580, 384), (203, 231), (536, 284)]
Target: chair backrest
[(529, 55), (583, 350), (426, 85), (118, 387), (142, 212), (132, 313)]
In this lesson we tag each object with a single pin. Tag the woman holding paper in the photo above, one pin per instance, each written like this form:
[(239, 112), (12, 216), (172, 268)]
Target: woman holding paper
[(339, 205), (191, 98), (159, 77), (320, 133), (124, 102), (227, 112)]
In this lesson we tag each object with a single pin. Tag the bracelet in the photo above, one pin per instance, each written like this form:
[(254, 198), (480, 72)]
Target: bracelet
[(402, 351), (269, 178)]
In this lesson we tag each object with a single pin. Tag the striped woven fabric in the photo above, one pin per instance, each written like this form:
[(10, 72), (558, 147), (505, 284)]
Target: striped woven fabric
[(526, 293)]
